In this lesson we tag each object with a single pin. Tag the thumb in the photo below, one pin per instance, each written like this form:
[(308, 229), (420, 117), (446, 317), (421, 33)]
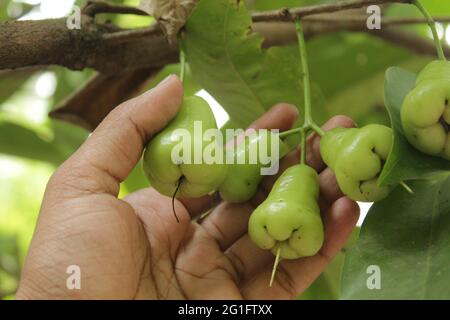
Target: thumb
[(115, 147)]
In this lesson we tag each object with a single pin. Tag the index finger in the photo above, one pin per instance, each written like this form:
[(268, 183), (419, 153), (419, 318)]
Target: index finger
[(115, 147)]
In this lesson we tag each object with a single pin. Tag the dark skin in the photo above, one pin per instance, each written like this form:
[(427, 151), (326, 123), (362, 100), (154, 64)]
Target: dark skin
[(133, 248)]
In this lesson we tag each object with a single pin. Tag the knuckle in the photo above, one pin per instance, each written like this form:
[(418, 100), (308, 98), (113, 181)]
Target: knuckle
[(343, 121)]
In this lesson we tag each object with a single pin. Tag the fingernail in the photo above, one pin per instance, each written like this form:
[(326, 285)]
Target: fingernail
[(166, 80)]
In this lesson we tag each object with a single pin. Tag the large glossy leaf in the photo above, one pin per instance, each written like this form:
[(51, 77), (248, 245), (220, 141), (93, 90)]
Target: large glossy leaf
[(405, 162), (407, 237), (229, 63)]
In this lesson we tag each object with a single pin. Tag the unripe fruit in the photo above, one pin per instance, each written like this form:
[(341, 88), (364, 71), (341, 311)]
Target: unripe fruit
[(194, 179), (356, 156), (289, 219), (243, 177), (425, 112)]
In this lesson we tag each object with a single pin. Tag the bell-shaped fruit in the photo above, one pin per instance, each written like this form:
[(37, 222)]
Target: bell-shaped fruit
[(425, 112), (257, 150), (184, 156), (357, 156), (289, 219)]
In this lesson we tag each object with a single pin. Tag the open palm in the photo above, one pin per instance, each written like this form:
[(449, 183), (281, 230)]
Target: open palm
[(134, 249)]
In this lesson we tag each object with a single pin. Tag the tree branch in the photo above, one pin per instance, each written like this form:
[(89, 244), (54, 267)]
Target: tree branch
[(49, 42), (89, 105), (111, 50), (358, 20), (409, 41), (296, 13), (130, 35)]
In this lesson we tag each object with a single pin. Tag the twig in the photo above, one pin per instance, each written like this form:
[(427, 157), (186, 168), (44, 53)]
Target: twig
[(130, 35), (93, 8), (358, 20), (408, 40), (90, 104), (432, 25), (339, 23), (296, 13)]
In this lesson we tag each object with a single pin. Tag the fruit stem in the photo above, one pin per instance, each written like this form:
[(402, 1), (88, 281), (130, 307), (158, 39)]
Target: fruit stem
[(275, 266), (303, 133), (182, 61), (309, 121), (288, 133), (317, 129), (173, 199), (406, 187), (432, 24), (305, 70)]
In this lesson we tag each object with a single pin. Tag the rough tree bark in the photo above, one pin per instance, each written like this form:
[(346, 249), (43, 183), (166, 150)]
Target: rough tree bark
[(49, 42)]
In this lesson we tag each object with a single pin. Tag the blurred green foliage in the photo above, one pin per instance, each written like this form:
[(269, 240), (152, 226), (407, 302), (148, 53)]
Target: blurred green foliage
[(348, 68)]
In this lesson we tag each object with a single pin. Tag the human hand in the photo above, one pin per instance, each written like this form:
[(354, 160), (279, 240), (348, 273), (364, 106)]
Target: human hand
[(133, 248)]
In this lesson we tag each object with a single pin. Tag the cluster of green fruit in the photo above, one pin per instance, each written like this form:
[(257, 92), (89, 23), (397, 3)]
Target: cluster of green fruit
[(236, 180), (289, 219), (288, 222)]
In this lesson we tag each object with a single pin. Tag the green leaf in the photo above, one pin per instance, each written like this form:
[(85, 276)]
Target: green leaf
[(405, 162), (53, 145), (360, 60), (25, 142), (407, 237), (354, 57), (229, 63)]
